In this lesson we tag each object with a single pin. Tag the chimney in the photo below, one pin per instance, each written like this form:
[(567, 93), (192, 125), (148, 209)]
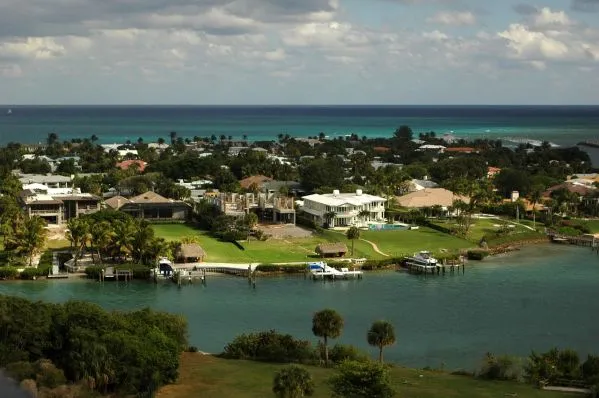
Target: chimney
[(359, 192), (336, 192), (515, 196)]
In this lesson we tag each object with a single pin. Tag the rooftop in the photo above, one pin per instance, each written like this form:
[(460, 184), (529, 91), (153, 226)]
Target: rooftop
[(429, 197), (43, 178), (338, 199)]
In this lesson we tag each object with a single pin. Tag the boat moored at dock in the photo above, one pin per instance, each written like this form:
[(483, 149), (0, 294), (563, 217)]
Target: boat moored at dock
[(322, 270)]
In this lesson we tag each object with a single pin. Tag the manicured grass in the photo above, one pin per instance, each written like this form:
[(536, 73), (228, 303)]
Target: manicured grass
[(400, 243), (271, 251), (482, 226), (207, 376), (592, 224)]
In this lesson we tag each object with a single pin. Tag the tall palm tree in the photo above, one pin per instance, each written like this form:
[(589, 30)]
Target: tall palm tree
[(352, 234), (32, 237), (78, 233), (330, 218), (143, 240), (381, 334), (101, 237), (124, 232), (327, 324), (363, 214), (293, 382), (535, 197)]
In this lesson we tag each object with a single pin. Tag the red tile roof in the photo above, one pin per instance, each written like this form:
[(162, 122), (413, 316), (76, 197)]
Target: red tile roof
[(125, 164), (460, 149)]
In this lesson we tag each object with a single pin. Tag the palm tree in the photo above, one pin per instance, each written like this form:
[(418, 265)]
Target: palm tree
[(535, 197), (78, 234), (363, 214), (381, 334), (353, 233), (330, 218), (32, 237), (327, 324), (160, 141), (124, 232), (293, 382), (143, 240), (94, 138), (101, 237)]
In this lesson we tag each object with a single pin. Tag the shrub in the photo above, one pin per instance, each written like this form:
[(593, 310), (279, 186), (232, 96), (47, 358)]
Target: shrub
[(500, 368), (270, 346), (344, 352), (48, 375), (192, 348), (285, 268), (8, 272), (361, 380), (477, 255), (93, 272), (590, 369), (31, 272), (20, 370), (372, 265)]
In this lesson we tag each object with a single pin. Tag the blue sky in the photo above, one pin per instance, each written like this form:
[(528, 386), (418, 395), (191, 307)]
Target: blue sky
[(299, 52)]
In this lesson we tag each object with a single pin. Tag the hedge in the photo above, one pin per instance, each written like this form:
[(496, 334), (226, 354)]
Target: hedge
[(8, 272), (284, 268), (31, 272)]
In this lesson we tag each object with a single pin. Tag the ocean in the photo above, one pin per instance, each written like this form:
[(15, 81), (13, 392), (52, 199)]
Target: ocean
[(563, 125)]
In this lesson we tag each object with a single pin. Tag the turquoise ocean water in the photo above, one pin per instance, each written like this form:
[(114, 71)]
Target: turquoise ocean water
[(559, 124), (537, 298)]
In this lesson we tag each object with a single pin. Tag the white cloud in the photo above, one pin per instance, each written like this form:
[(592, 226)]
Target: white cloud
[(545, 18), (11, 71), (454, 18), (530, 44), (32, 47)]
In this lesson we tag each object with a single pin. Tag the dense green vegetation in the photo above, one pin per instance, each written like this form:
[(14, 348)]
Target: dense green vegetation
[(80, 344)]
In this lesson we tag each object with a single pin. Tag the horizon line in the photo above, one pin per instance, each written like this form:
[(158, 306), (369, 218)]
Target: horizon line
[(298, 105)]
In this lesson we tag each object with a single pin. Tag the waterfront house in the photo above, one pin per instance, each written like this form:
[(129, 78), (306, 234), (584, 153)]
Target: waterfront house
[(236, 150), (270, 206), (492, 171), (151, 206), (190, 253), (331, 249), (57, 205), (573, 187), (344, 209), (430, 197)]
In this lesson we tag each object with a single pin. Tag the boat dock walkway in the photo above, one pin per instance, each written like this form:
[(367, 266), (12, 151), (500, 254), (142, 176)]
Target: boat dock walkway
[(323, 271)]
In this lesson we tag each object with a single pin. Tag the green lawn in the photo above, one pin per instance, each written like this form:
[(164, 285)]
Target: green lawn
[(271, 251), (393, 243), (592, 224), (207, 376), (482, 226), (399, 243)]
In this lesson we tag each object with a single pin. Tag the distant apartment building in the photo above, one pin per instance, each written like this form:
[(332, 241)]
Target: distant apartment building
[(344, 209)]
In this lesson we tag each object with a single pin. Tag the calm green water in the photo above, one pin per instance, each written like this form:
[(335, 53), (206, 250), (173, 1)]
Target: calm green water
[(533, 299)]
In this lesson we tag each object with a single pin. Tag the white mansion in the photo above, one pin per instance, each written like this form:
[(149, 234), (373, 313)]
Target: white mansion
[(344, 209)]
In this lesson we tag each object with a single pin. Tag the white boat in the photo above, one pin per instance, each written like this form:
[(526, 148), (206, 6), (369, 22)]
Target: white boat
[(164, 269), (422, 259), (9, 112), (322, 270)]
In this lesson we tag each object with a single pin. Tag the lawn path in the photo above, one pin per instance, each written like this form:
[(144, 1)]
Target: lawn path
[(375, 247), (514, 222)]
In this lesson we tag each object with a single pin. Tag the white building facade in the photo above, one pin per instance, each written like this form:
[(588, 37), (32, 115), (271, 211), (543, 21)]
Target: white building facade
[(344, 209)]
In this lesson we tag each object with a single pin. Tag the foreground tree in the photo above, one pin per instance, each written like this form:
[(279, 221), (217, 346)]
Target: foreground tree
[(352, 234), (327, 324), (381, 334), (361, 380), (32, 238), (293, 382)]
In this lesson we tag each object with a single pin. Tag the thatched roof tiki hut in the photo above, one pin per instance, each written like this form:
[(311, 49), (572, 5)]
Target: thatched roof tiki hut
[(331, 249), (190, 253)]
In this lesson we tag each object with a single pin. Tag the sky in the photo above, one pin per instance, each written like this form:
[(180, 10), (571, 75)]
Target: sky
[(299, 52)]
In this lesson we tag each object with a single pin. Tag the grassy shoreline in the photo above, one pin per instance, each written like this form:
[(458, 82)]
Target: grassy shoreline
[(210, 376)]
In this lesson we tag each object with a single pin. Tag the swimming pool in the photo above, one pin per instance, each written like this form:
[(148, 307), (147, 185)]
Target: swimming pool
[(388, 227)]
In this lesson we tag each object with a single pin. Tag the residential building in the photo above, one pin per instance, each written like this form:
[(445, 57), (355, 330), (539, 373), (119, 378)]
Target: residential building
[(271, 206), (419, 185), (430, 197), (150, 206), (574, 187), (431, 148), (48, 180), (255, 181), (157, 146), (457, 150), (493, 171), (344, 209), (57, 205), (236, 150), (126, 164)]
